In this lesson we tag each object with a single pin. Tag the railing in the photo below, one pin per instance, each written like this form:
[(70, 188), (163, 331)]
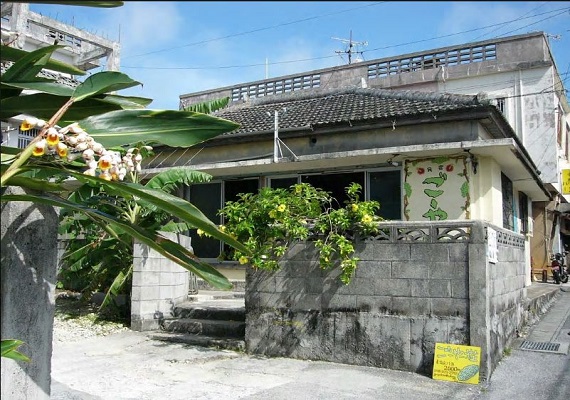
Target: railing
[(465, 55), (426, 232)]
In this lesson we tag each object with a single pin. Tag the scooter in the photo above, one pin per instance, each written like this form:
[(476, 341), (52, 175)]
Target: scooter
[(559, 268)]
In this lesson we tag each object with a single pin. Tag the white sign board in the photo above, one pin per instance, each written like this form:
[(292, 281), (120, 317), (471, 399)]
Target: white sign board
[(492, 249)]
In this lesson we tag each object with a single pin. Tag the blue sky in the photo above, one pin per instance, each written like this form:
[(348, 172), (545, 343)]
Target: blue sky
[(175, 48)]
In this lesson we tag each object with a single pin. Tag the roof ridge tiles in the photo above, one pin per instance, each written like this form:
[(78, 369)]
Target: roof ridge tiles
[(412, 95)]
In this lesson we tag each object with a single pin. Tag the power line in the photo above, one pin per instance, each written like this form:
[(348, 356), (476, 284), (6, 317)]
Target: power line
[(496, 29), (476, 29), (325, 57), (258, 30), (534, 23)]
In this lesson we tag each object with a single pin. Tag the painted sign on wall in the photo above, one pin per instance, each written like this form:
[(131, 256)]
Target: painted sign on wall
[(566, 181), (436, 189), (456, 363)]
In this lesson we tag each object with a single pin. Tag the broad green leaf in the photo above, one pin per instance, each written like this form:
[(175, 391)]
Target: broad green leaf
[(175, 227), (9, 153), (29, 65), (103, 82), (162, 127), (36, 184), (171, 179), (94, 3), (173, 205), (43, 105), (127, 102), (9, 349), (116, 286), (171, 250), (9, 53), (45, 86), (208, 107)]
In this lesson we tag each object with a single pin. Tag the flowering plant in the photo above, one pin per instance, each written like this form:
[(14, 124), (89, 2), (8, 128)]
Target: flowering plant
[(271, 220)]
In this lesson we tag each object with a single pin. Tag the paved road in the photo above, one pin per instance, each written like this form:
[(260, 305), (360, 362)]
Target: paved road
[(130, 366), (537, 375)]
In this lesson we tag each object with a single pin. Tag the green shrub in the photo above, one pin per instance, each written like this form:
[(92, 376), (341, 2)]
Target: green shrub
[(271, 220)]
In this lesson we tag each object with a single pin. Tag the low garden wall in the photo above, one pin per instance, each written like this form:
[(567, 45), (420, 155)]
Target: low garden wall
[(158, 285), (416, 284)]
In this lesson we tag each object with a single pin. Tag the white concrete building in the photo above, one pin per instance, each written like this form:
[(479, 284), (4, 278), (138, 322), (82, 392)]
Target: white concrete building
[(518, 73)]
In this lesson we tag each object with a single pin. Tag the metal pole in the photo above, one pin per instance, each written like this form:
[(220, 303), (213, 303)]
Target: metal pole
[(276, 138)]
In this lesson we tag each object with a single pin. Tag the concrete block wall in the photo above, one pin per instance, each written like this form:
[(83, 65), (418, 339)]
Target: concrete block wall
[(29, 265), (404, 297), (158, 285), (416, 284), (507, 292)]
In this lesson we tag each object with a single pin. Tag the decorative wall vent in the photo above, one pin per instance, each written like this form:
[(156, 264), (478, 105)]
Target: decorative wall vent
[(276, 87), (448, 58)]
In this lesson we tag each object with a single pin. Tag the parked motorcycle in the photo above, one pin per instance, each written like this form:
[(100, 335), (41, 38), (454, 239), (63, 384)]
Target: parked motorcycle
[(559, 268)]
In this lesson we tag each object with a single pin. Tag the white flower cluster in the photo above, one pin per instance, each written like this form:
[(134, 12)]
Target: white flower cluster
[(72, 142)]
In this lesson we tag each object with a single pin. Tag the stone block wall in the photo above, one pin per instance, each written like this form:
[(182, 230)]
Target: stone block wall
[(406, 295), (507, 292), (416, 284), (158, 285)]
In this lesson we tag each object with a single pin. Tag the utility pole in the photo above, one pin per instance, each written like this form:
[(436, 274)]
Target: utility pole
[(349, 49)]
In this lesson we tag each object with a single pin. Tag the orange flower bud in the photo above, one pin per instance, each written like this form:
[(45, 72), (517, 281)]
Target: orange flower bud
[(40, 148), (28, 123), (62, 150), (105, 163), (52, 137)]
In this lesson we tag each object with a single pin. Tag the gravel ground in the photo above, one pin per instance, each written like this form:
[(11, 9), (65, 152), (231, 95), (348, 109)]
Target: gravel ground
[(76, 320)]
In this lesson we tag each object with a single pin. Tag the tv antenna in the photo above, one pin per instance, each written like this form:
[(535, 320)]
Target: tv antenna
[(352, 47)]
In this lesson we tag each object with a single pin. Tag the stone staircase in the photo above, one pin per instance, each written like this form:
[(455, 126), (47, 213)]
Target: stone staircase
[(209, 319)]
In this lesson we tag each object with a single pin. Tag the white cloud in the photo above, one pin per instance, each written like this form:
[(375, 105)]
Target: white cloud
[(146, 26)]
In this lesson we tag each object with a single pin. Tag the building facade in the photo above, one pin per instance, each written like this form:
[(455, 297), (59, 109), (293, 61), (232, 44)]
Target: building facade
[(517, 74)]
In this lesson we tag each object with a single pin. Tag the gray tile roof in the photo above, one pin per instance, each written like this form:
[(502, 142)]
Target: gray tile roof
[(328, 107)]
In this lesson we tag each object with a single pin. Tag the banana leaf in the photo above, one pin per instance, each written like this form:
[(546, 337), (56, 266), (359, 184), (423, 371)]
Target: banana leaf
[(173, 205), (94, 3), (103, 82), (171, 179), (208, 107), (8, 53), (27, 67), (162, 127), (162, 245), (9, 350), (43, 105)]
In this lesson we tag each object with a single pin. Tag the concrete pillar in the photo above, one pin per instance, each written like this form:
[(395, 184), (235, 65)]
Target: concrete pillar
[(19, 21), (114, 58), (479, 302), (29, 265)]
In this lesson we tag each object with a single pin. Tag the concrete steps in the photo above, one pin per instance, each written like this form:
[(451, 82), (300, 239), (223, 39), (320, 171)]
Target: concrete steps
[(209, 319)]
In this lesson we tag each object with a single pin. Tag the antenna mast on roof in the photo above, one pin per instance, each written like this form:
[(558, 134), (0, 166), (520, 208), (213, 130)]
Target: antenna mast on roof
[(351, 43)]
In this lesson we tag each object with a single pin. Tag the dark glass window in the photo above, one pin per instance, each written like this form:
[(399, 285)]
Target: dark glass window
[(385, 187), (233, 188), (335, 184), (283, 183), (207, 197), (508, 203)]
